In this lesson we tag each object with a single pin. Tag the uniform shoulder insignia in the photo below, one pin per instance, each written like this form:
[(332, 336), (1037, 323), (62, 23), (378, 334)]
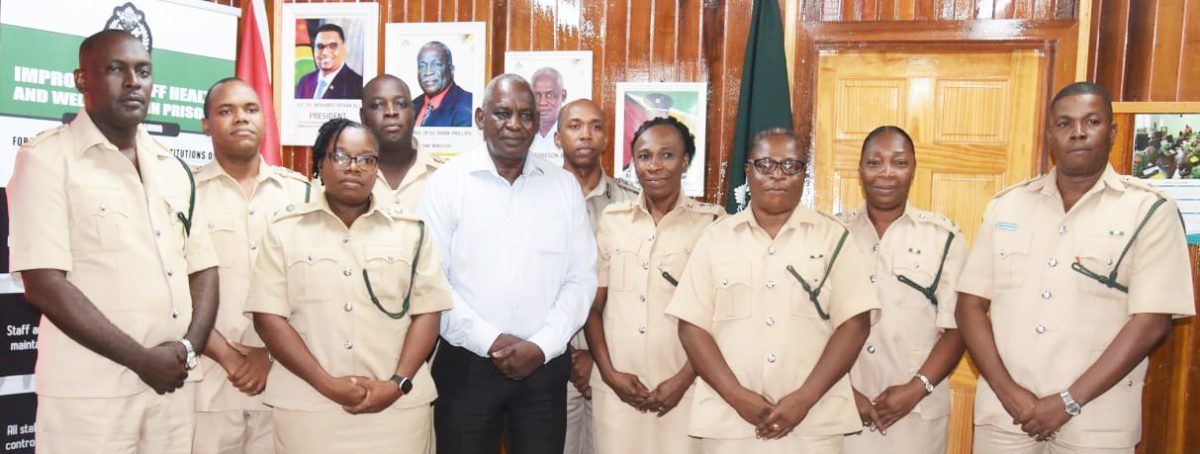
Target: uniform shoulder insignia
[(1018, 185), (618, 207), (847, 216), (626, 186), (708, 208), (937, 219), (42, 136), (403, 217), (1142, 185), (293, 210), (286, 172)]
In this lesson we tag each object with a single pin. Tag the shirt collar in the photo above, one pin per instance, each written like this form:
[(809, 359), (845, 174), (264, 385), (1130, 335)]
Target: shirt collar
[(603, 188), (1049, 184), (480, 161), (436, 100), (87, 135), (422, 164), (329, 78), (321, 203), (801, 215), (214, 170), (683, 200)]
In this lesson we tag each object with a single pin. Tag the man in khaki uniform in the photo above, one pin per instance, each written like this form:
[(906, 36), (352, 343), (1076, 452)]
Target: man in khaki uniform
[(772, 316), (387, 110), (643, 383), (238, 192), (99, 226), (1082, 271), (582, 137), (347, 296), (899, 376)]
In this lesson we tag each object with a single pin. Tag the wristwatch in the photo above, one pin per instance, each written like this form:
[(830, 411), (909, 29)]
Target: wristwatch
[(1073, 407), (403, 382), (925, 381), (192, 361)]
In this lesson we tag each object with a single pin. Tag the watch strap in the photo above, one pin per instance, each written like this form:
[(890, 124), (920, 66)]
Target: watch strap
[(925, 382), (403, 382)]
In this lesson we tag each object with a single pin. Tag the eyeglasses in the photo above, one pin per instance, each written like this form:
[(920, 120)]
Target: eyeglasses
[(412, 275), (767, 166), (343, 160)]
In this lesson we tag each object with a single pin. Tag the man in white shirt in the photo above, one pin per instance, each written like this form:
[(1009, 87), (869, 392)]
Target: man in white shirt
[(517, 247), (548, 92)]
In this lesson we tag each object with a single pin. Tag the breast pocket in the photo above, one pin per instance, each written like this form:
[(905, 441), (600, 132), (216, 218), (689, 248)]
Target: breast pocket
[(670, 267), (104, 219), (812, 271), (1098, 256), (312, 277), (222, 231), (623, 267), (733, 293), (919, 269), (1011, 255), (390, 270)]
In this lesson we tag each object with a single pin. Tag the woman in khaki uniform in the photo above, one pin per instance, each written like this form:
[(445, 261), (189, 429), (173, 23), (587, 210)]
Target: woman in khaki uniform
[(642, 382), (347, 298), (898, 378), (772, 316)]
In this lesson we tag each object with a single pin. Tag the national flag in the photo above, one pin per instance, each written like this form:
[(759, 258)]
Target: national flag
[(765, 101), (254, 67)]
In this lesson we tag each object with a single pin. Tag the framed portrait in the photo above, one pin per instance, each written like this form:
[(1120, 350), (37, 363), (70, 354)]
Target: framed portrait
[(329, 52), (639, 102), (1161, 143), (445, 67), (557, 77)]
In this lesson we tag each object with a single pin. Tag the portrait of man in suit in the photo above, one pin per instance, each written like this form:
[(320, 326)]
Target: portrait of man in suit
[(443, 102), (333, 78)]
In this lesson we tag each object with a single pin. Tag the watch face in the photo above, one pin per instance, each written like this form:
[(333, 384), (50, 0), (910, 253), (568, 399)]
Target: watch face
[(192, 361)]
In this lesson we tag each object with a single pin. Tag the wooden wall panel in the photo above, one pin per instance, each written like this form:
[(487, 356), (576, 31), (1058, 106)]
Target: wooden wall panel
[(926, 10), (1147, 50)]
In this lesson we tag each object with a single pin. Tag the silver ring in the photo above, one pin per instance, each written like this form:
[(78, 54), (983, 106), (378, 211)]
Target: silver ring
[(775, 426)]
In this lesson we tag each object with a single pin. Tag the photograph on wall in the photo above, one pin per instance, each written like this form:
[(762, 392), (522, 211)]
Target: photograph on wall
[(1166, 153), (445, 68), (639, 102), (329, 52), (557, 78)]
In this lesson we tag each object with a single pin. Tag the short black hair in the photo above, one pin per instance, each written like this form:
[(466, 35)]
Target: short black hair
[(208, 96), (89, 44), (328, 135), (1085, 88), (782, 132), (885, 129), (689, 140), (330, 28)]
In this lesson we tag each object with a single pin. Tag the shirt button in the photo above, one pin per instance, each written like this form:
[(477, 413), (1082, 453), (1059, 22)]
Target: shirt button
[(770, 284), (1062, 230), (642, 329), (916, 265), (253, 245), (348, 307), (290, 208), (170, 272), (103, 207), (1109, 262), (1129, 383), (159, 232), (1040, 329), (871, 349), (651, 238), (1046, 294), (770, 321), (645, 265), (347, 272), (1053, 262), (349, 344), (770, 357), (771, 250), (174, 313), (642, 297), (875, 247), (252, 211), (397, 209), (346, 239), (310, 258), (874, 279)]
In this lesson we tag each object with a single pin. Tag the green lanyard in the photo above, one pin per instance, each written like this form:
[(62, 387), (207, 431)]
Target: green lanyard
[(813, 295), (187, 220), (412, 275), (931, 291), (1110, 281)]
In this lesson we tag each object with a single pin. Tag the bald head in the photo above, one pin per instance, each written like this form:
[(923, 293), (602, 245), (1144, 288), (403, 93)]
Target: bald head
[(507, 82)]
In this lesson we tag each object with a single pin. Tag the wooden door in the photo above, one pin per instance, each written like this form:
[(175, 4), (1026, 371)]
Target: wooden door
[(974, 118)]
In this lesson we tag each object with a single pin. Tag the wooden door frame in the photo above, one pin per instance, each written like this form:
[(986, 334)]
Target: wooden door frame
[(1058, 40)]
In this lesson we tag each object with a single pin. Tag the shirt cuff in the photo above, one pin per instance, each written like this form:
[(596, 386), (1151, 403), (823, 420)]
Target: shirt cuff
[(551, 348), (482, 339)]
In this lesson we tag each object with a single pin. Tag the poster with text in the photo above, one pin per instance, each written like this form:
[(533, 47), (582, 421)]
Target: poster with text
[(639, 102), (330, 51), (557, 78), (444, 65), (1166, 154)]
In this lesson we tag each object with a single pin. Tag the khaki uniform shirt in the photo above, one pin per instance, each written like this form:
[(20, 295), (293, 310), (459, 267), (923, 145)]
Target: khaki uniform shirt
[(608, 192), (77, 204), (403, 199), (634, 255), (913, 246), (738, 288), (1051, 323), (311, 271), (236, 225)]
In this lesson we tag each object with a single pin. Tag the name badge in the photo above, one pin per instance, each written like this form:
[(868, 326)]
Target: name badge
[(1006, 226)]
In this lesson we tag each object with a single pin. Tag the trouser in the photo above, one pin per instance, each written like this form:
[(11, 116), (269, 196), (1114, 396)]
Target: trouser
[(142, 423), (579, 423), (990, 439), (794, 443), (476, 405), (912, 434), (234, 432), (394, 430)]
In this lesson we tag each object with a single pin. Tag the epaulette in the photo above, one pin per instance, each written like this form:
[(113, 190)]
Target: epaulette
[(707, 208), (292, 210), (402, 216), (1138, 183), (938, 220), (626, 186), (617, 207), (289, 173), (847, 216), (830, 217), (41, 136), (1018, 185)]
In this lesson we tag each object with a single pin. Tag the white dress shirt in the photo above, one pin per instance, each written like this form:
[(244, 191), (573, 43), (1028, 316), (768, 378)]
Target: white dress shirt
[(520, 257), (328, 79)]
